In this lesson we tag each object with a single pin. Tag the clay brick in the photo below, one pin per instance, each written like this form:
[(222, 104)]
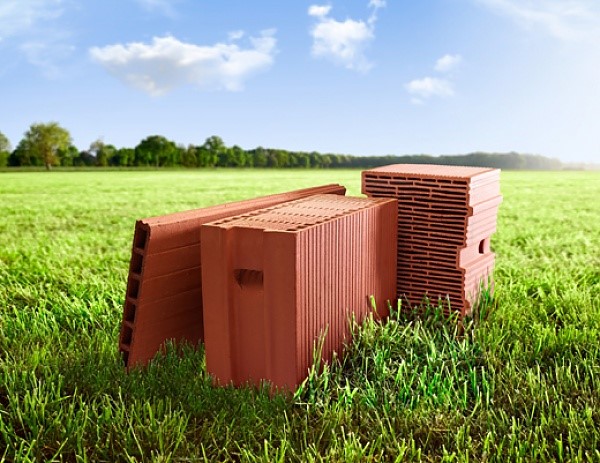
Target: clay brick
[(446, 216), (277, 279), (164, 293)]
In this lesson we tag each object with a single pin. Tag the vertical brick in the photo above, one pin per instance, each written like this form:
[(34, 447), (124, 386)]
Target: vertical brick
[(164, 292), (279, 278), (446, 216)]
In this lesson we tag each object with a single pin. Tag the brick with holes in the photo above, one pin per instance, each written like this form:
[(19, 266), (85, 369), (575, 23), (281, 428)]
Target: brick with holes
[(446, 216), (164, 291), (277, 280)]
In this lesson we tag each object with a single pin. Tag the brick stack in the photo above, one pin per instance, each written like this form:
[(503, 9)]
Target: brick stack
[(164, 292), (277, 279), (446, 215)]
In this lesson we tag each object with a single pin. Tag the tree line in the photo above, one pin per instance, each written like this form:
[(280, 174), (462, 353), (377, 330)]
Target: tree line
[(51, 145)]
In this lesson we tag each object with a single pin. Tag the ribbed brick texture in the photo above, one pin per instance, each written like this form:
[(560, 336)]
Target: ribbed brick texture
[(164, 292), (446, 216), (278, 279)]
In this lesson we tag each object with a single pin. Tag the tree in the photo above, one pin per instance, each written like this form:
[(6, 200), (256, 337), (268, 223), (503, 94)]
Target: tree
[(124, 157), (96, 150), (96, 146), (188, 156), (206, 158), (68, 156), (156, 150), (232, 157), (24, 156), (85, 158), (260, 157), (44, 141), (109, 152), (5, 149), (106, 155), (214, 151)]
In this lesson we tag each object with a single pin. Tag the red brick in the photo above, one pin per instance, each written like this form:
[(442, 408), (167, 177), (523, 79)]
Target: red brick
[(276, 279), (446, 216), (164, 293)]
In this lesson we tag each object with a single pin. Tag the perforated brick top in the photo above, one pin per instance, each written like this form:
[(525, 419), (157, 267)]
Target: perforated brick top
[(436, 171), (301, 214)]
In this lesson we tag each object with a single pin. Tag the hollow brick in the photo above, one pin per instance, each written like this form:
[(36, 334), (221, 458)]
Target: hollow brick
[(277, 279), (164, 292), (446, 216)]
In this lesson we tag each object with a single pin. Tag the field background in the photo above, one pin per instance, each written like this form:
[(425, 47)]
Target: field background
[(522, 385)]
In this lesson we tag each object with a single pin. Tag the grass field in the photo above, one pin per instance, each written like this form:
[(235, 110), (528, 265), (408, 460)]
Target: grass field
[(522, 385)]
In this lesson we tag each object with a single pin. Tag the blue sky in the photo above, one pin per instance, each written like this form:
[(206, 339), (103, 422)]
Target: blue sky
[(364, 77)]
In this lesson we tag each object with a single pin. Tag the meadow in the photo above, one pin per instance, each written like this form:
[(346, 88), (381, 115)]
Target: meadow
[(521, 383)]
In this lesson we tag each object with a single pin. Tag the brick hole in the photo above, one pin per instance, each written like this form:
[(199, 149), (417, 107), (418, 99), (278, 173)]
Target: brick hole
[(141, 237), (484, 246), (248, 278), (127, 335), (136, 262), (125, 357), (129, 311), (133, 288)]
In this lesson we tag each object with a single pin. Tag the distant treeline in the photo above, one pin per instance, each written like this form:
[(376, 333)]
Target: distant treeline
[(50, 145)]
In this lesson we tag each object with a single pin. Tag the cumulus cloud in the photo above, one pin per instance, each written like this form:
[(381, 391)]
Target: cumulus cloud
[(343, 42), (319, 10), (429, 86), (563, 19), (166, 63), (447, 63), (23, 16)]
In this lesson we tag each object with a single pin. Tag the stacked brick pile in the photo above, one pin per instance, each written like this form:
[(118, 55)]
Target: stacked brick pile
[(278, 279), (164, 291), (261, 281), (446, 215)]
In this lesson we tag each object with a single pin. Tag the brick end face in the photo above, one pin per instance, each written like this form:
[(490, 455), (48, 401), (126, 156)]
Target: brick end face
[(136, 266), (446, 216)]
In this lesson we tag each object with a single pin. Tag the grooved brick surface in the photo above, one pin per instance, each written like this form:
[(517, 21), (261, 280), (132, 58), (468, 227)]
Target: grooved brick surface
[(278, 279), (446, 216), (164, 291)]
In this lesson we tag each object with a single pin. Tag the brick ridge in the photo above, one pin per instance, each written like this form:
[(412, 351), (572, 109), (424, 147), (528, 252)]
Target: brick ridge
[(192, 213), (441, 171), (293, 222)]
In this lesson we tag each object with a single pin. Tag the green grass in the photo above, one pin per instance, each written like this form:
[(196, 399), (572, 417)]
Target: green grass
[(522, 384)]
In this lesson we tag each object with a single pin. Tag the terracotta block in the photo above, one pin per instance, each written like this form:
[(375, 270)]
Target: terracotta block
[(277, 279), (164, 293), (446, 216)]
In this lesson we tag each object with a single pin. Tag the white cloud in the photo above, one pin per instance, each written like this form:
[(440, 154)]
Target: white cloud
[(236, 35), (343, 42), (319, 10), (166, 63), (23, 16), (377, 3), (35, 27), (447, 63), (48, 56), (165, 7), (428, 87), (563, 19)]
